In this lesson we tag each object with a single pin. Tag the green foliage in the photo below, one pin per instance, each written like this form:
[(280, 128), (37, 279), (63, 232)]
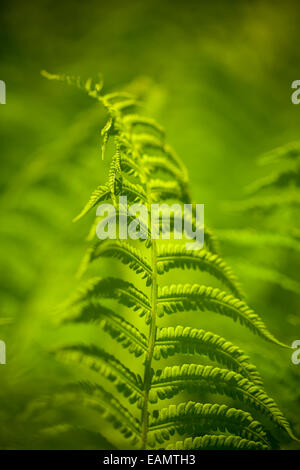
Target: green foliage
[(272, 206), (146, 169)]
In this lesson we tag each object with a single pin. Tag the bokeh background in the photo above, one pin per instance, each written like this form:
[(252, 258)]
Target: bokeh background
[(217, 75)]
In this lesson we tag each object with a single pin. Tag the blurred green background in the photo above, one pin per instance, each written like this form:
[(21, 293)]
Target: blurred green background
[(217, 75)]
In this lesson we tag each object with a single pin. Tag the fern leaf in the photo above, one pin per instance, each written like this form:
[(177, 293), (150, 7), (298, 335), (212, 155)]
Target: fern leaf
[(179, 297), (116, 326), (211, 243), (132, 120), (145, 169), (187, 340), (161, 163), (114, 174), (117, 96), (121, 212), (126, 253), (279, 179), (130, 166), (285, 199), (195, 418), (217, 442), (285, 152), (113, 288), (176, 256), (162, 190), (260, 239), (95, 397), (210, 240), (107, 129), (172, 380), (89, 439), (134, 193), (102, 193), (269, 275), (98, 360), (125, 105), (147, 143)]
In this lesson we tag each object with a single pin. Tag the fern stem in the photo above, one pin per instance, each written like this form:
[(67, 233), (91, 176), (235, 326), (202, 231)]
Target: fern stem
[(151, 345)]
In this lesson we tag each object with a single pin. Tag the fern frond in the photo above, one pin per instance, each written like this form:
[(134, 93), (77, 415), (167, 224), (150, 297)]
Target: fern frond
[(179, 297), (102, 193), (217, 442), (127, 254), (176, 256), (211, 242), (93, 88), (91, 396), (132, 120), (147, 170), (134, 193), (260, 239), (161, 163), (110, 408), (113, 288), (98, 360), (187, 340), (125, 105), (196, 418), (285, 199), (130, 166), (162, 190), (117, 96), (147, 143), (114, 174), (107, 129), (269, 275), (116, 326), (284, 152), (194, 377), (278, 179)]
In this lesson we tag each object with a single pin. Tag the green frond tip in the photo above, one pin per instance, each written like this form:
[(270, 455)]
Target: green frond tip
[(93, 88), (116, 326), (187, 340), (101, 362), (196, 418), (102, 193), (176, 256), (217, 442), (194, 377), (185, 297)]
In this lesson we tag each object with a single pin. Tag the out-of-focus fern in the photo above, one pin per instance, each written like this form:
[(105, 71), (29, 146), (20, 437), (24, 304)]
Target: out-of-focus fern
[(144, 168), (272, 207)]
